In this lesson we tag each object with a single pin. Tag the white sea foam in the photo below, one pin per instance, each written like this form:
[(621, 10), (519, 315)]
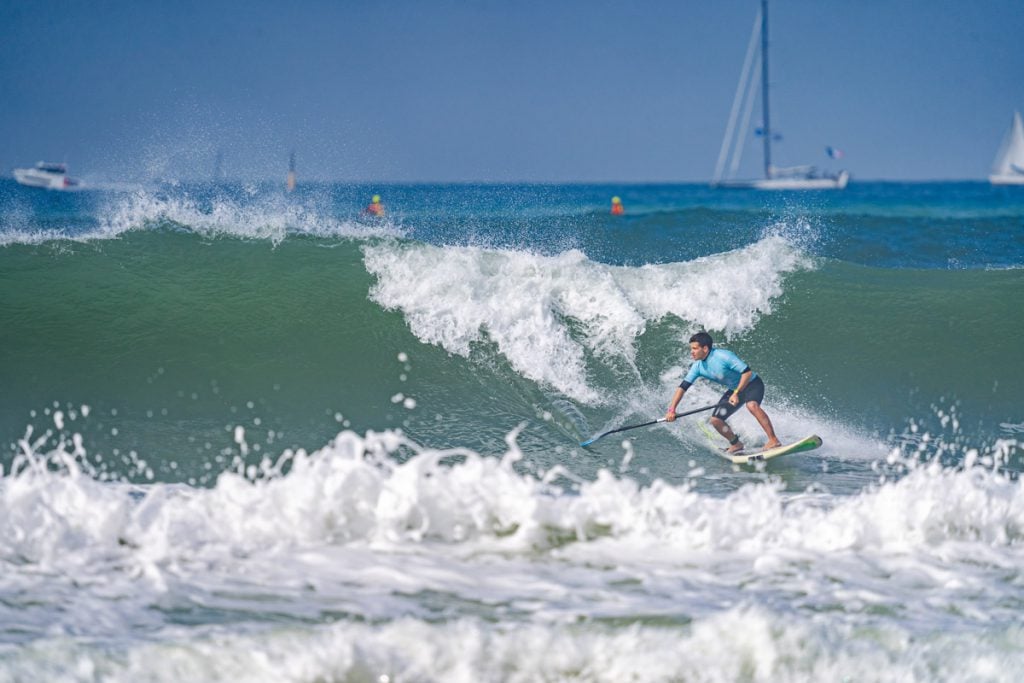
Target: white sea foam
[(743, 643), (530, 577), (453, 566), (352, 491), (9, 237), (271, 217), (546, 314)]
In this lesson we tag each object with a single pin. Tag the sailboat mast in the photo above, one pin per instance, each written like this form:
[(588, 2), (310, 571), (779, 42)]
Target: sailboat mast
[(766, 125)]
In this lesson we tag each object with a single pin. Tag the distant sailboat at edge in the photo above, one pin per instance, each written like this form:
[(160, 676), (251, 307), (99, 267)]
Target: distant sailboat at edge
[(795, 178), (1008, 168)]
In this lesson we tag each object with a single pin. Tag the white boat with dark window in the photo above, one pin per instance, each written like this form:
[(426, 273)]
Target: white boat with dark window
[(753, 75), (47, 175), (1008, 168)]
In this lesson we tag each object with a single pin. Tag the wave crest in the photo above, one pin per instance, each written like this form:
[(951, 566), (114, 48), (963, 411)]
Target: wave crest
[(356, 490), (545, 314)]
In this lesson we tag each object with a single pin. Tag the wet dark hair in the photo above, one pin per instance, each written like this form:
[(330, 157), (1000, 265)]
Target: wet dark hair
[(702, 338)]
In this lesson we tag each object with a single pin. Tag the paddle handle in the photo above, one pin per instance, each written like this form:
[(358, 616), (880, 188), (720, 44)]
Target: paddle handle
[(647, 424)]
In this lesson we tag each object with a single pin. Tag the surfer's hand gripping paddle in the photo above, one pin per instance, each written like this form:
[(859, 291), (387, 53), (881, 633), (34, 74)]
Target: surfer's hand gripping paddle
[(646, 424)]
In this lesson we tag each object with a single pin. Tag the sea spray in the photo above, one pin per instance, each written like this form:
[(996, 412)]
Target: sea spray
[(384, 533), (547, 314), (383, 488)]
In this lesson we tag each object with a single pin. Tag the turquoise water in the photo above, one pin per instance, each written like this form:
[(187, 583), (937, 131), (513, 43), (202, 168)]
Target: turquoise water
[(231, 414)]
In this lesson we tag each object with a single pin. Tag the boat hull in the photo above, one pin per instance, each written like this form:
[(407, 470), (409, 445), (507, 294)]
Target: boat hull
[(837, 183), (1006, 179), (31, 177)]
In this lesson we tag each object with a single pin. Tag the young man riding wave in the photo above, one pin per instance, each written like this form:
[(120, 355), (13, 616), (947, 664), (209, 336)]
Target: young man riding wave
[(744, 388)]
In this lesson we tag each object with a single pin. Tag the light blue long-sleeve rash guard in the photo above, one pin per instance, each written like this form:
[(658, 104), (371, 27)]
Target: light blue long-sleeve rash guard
[(721, 366)]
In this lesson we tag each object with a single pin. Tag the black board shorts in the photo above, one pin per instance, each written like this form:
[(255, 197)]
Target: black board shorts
[(754, 391)]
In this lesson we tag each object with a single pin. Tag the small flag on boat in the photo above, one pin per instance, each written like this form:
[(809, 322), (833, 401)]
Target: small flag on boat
[(776, 137), (834, 152)]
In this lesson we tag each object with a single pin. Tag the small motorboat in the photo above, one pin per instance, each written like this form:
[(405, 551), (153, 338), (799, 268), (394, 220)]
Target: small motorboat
[(47, 175)]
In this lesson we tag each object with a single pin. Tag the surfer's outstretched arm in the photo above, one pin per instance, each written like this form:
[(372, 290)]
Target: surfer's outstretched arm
[(670, 416)]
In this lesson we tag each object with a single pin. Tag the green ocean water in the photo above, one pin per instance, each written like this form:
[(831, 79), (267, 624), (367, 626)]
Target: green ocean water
[(173, 339), (255, 435)]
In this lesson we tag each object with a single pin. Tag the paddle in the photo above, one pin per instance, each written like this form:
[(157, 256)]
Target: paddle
[(645, 424)]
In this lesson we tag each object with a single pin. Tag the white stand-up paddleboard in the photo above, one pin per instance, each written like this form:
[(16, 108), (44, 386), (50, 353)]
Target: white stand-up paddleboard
[(742, 458)]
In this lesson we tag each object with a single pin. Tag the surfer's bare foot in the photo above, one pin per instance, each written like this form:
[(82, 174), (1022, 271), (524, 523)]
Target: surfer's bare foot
[(772, 444), (735, 448)]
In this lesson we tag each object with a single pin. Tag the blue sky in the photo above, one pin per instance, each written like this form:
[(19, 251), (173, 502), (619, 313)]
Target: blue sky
[(403, 90)]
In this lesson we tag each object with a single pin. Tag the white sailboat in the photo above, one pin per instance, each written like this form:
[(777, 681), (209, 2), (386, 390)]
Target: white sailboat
[(775, 178), (1008, 168)]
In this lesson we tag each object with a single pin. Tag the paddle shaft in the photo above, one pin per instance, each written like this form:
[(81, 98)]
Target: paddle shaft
[(647, 424)]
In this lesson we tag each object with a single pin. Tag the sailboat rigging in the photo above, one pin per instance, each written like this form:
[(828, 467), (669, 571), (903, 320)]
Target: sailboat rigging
[(775, 178)]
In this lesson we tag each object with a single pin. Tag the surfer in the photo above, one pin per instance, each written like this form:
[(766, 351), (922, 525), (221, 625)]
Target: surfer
[(375, 208), (745, 388), (617, 208)]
